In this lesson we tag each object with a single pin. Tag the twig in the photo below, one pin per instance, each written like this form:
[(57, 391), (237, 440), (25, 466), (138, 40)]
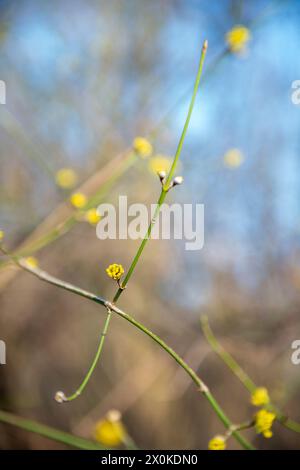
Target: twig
[(49, 432), (242, 375), (166, 185)]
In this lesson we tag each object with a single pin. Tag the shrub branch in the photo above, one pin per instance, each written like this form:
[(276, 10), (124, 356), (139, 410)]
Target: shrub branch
[(111, 307)]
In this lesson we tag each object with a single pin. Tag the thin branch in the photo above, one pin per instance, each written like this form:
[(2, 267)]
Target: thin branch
[(64, 217), (93, 365), (167, 181), (166, 184), (49, 432), (242, 375), (225, 356)]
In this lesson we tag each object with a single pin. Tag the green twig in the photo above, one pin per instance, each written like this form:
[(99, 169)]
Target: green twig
[(163, 194), (242, 375), (166, 184), (225, 356), (94, 363), (49, 432), (164, 190), (69, 221)]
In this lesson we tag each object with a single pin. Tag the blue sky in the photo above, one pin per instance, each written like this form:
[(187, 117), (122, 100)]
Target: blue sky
[(245, 102)]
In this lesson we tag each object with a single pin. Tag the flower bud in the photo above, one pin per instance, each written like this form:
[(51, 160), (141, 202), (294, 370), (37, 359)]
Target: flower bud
[(162, 175), (177, 180), (60, 397)]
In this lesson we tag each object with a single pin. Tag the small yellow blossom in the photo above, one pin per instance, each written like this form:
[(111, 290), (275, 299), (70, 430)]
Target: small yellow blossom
[(142, 147), (115, 271), (1, 235), (160, 163), (260, 397), (263, 422), (110, 430), (217, 443), (78, 200), (66, 178), (233, 158), (92, 216), (31, 262), (237, 38)]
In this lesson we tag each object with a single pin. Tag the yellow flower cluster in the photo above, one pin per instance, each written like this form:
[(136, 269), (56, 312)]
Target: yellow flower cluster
[(110, 430), (66, 178), (160, 163), (31, 262), (78, 200), (237, 38), (263, 422), (92, 216), (1, 235), (115, 271), (233, 158), (260, 397), (217, 443), (142, 147)]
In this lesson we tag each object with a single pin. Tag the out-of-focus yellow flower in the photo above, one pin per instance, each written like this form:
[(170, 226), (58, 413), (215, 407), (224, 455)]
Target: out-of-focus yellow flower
[(142, 147), (92, 216), (263, 422), (31, 262), (115, 271), (110, 430), (66, 178), (1, 235), (78, 200), (160, 163), (233, 158), (217, 443), (260, 397), (237, 38)]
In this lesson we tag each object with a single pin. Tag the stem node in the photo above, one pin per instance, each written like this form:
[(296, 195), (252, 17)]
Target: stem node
[(203, 388)]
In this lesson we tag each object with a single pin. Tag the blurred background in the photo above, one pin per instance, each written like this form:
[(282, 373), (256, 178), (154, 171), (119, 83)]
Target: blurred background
[(83, 79)]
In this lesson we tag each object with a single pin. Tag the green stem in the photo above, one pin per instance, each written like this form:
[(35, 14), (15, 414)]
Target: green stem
[(49, 432), (166, 185), (242, 376), (142, 246), (49, 237), (69, 221), (226, 357), (200, 384), (94, 363), (64, 227), (239, 427), (160, 201), (188, 118)]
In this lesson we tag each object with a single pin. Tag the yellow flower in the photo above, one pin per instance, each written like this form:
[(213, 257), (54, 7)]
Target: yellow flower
[(217, 443), (160, 163), (115, 271), (66, 178), (142, 147), (92, 216), (110, 430), (1, 235), (260, 397), (31, 262), (233, 158), (78, 200), (237, 38), (263, 422)]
